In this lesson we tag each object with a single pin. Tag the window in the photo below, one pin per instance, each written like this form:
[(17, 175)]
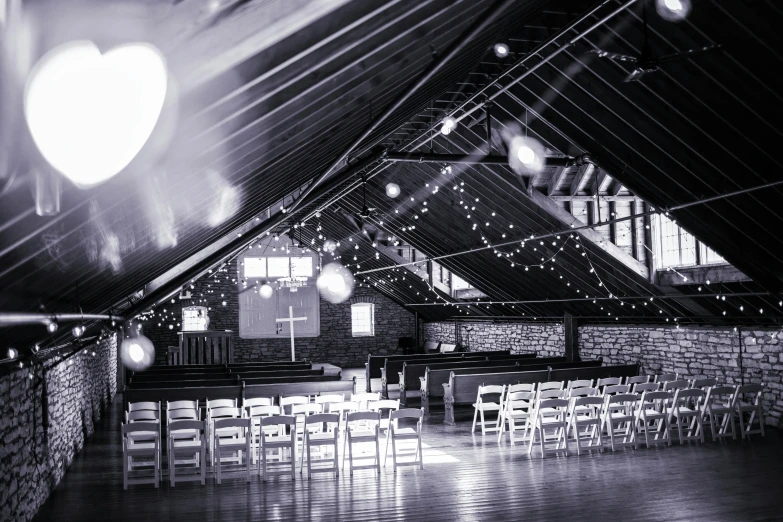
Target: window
[(255, 267), (195, 319), (459, 283), (278, 266), (678, 247), (302, 266), (363, 319)]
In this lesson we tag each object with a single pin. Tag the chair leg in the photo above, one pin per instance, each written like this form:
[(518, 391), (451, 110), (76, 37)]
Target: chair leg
[(394, 454), (421, 454), (386, 451), (483, 431), (336, 455), (203, 464), (293, 459), (475, 414), (377, 454), (309, 461), (125, 465)]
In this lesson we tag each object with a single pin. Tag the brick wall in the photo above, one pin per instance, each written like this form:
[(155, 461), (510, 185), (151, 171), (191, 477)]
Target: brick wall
[(33, 460), (547, 339), (335, 345), (695, 352)]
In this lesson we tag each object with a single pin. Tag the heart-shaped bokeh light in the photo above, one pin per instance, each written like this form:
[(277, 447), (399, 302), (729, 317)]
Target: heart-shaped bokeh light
[(90, 113)]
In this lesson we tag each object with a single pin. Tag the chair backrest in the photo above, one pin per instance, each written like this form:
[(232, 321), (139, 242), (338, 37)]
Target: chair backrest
[(616, 389), (720, 395), (521, 387), (552, 385), (356, 416), (675, 385), (187, 425), (341, 407), (582, 392), (646, 387), (225, 412), (552, 394), (287, 402), (221, 403), (609, 381), (665, 377), (707, 382), (407, 413), (262, 411), (143, 406), (306, 409), (588, 401), (622, 398), (181, 405), (182, 414), (554, 404), (231, 423), (362, 399), (491, 389), (637, 379), (520, 400), (654, 399), (258, 401), (683, 396), (754, 390), (579, 383), (319, 418), (142, 416), (278, 420), (386, 404), (328, 399), (140, 426)]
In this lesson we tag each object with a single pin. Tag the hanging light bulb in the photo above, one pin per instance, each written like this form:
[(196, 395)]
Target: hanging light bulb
[(392, 190), (501, 50), (335, 283), (673, 10), (52, 326), (137, 352), (13, 353), (78, 330), (449, 124), (526, 155)]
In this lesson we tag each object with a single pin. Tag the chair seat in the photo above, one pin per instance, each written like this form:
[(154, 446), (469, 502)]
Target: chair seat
[(585, 417), (551, 420), (237, 443), (720, 409), (141, 450), (487, 406), (186, 444), (682, 411), (227, 432), (621, 416), (406, 433), (517, 414), (321, 437)]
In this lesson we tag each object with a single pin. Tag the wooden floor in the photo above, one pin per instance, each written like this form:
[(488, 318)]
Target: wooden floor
[(466, 477)]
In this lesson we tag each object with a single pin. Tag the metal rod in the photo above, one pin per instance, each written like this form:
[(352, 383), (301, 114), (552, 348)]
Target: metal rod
[(476, 28), (477, 159), (13, 319), (579, 299), (581, 227)]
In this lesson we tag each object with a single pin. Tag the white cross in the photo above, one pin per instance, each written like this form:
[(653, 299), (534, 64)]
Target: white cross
[(290, 319)]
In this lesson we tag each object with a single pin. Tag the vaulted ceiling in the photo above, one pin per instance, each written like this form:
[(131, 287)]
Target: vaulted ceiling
[(265, 108)]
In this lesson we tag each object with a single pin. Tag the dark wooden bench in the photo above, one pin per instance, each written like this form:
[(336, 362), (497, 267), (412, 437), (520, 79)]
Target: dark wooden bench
[(239, 391), (208, 368), (411, 372), (392, 368), (305, 378), (375, 363), (159, 377), (463, 388)]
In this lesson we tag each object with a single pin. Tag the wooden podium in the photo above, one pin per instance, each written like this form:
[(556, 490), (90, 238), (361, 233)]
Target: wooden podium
[(208, 347)]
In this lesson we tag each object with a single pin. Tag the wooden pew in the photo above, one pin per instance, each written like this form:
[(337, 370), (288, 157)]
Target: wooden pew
[(240, 391), (392, 368), (411, 372), (143, 378), (190, 368), (463, 388), (375, 363)]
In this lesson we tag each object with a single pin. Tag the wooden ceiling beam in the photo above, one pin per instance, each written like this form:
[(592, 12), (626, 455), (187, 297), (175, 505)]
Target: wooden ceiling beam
[(557, 178)]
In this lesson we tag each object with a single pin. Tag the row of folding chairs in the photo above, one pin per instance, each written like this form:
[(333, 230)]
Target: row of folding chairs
[(245, 435), (619, 412)]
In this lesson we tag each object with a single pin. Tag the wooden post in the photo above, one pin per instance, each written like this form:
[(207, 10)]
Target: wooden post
[(634, 235), (648, 242), (571, 337), (613, 226)]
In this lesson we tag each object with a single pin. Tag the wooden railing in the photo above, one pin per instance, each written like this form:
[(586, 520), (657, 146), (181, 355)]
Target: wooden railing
[(203, 348)]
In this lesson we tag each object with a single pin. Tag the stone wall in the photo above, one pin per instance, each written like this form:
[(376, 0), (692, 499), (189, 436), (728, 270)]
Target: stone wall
[(34, 459), (695, 352), (335, 345), (547, 339)]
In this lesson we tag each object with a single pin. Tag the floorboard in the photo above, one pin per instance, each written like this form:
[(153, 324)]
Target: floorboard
[(466, 477)]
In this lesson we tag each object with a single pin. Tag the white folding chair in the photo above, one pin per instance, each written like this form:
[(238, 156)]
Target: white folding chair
[(286, 403), (517, 408), (190, 450), (328, 400), (619, 419), (637, 379), (362, 399), (181, 405), (362, 427), (551, 414), (226, 432), (666, 377), (384, 408), (652, 416), (521, 387), (718, 408), (615, 389), (704, 383), (685, 414), (645, 387), (608, 381), (239, 444), (282, 429), (316, 437), (397, 435), (747, 400), (141, 436), (584, 422), (181, 414), (255, 414), (148, 452), (490, 403)]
